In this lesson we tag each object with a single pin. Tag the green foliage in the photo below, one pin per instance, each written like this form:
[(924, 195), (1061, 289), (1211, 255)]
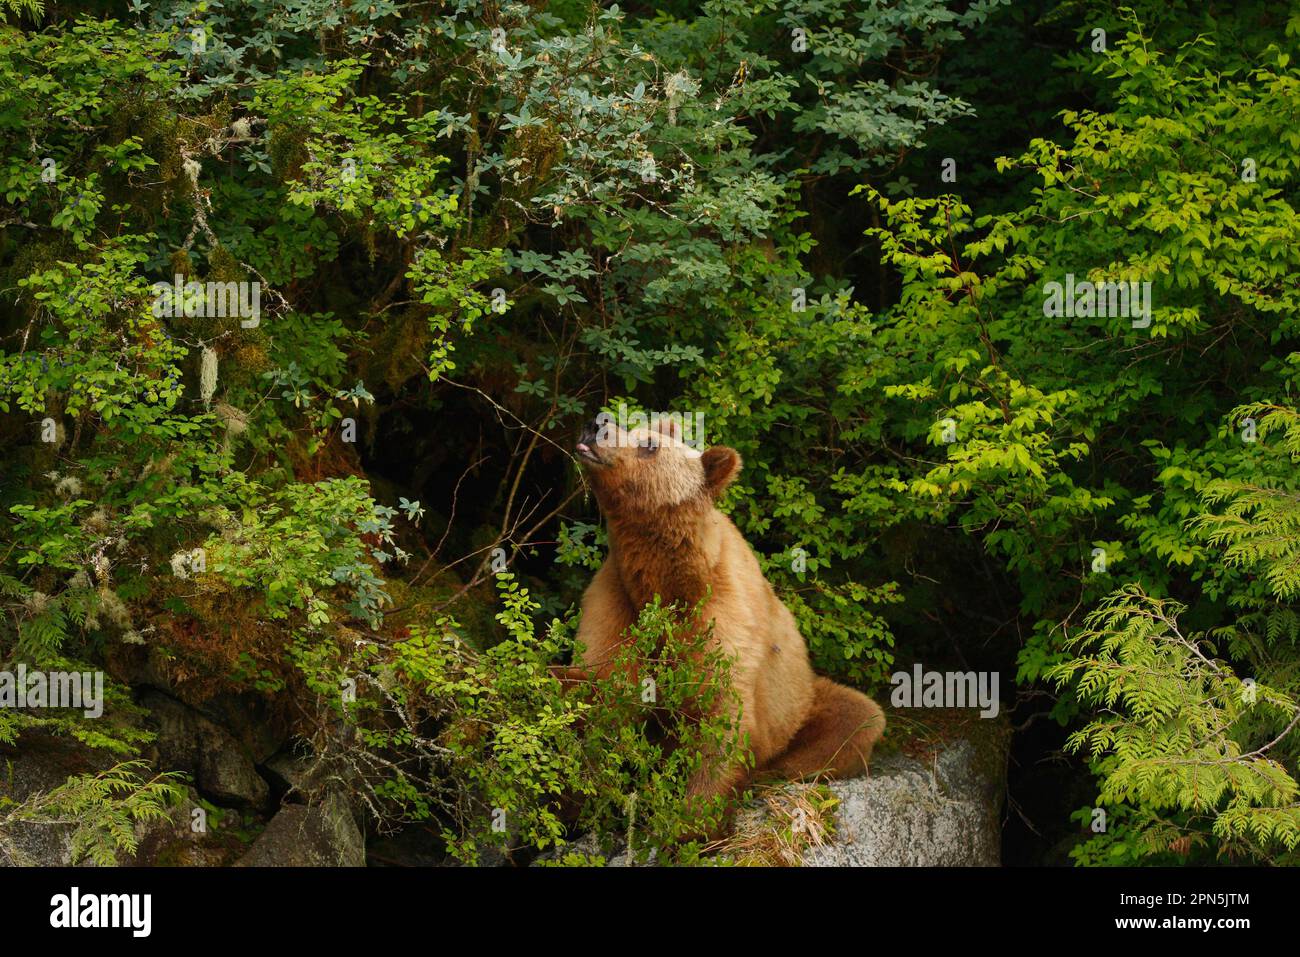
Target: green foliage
[(1086, 449), (101, 812), (1180, 730), (1258, 528), (492, 746)]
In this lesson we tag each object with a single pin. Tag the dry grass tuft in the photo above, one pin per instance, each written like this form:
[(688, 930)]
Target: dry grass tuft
[(781, 823)]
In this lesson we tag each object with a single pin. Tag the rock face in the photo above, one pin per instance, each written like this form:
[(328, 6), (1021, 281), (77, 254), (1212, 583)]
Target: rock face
[(43, 763), (189, 741), (930, 800), (935, 803), (324, 834), (909, 814)]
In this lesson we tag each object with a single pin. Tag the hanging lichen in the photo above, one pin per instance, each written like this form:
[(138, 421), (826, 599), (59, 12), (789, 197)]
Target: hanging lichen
[(207, 375)]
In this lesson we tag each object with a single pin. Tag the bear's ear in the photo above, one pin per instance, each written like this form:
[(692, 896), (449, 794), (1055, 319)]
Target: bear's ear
[(721, 465)]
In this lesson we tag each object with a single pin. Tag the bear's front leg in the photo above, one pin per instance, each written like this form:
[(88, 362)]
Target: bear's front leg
[(723, 775), (710, 783), (569, 677)]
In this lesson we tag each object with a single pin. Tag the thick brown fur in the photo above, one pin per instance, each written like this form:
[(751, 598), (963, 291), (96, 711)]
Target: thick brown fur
[(668, 539)]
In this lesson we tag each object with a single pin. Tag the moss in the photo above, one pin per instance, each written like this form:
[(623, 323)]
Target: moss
[(223, 267), (400, 350), (287, 148), (474, 610), (923, 733), (182, 265)]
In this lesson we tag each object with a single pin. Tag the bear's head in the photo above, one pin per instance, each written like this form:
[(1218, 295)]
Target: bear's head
[(650, 468)]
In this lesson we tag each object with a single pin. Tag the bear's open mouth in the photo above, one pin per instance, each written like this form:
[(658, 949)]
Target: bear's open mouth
[(588, 454)]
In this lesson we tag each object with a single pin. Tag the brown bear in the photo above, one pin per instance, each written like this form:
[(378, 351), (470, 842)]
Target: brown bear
[(667, 538)]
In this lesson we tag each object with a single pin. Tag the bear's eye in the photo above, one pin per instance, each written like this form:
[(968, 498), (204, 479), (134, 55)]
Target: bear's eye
[(648, 446)]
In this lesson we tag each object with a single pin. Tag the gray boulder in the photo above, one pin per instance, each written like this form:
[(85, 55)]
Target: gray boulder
[(323, 834), (187, 741), (908, 813), (42, 763), (250, 719), (933, 803), (297, 773)]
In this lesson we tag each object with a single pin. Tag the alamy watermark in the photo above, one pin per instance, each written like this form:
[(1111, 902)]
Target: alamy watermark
[(1124, 300), (211, 300), (946, 689), (689, 427), (74, 909), (83, 690)]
